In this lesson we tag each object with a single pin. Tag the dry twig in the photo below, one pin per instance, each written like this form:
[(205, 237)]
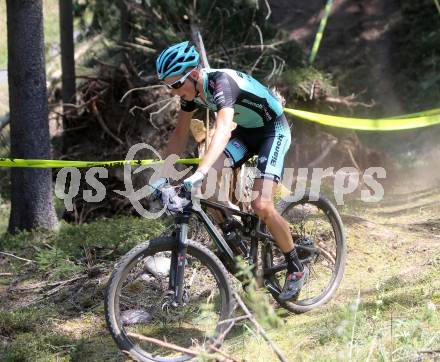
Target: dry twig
[(140, 88), (164, 344), (103, 125), (260, 329), (17, 257), (143, 109)]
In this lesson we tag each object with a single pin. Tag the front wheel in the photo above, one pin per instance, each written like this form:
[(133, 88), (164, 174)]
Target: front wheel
[(138, 300), (318, 234)]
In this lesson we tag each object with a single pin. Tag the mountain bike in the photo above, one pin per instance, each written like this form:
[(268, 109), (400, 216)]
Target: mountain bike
[(179, 290)]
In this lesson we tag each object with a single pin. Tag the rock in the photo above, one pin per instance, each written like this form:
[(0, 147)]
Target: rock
[(135, 316), (158, 265)]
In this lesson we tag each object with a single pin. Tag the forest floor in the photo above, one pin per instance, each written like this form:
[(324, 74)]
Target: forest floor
[(385, 309)]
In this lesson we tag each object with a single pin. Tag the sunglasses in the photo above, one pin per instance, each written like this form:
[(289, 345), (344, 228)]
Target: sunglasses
[(179, 82)]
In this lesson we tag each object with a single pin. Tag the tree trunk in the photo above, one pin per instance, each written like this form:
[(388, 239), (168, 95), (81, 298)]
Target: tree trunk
[(67, 53), (31, 191), (125, 21)]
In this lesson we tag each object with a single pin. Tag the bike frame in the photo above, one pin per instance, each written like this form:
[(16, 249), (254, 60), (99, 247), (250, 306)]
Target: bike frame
[(251, 229)]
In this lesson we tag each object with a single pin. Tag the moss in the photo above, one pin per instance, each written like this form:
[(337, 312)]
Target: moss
[(25, 320), (76, 248), (35, 347), (301, 82)]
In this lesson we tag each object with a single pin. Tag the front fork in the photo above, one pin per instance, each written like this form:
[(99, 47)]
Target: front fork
[(178, 260)]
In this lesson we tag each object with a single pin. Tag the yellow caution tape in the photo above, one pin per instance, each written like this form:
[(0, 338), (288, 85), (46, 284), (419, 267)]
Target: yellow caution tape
[(18, 162), (429, 112), (408, 121), (422, 119), (320, 32)]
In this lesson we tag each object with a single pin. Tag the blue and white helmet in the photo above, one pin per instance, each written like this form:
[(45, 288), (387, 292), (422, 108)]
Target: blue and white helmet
[(175, 59)]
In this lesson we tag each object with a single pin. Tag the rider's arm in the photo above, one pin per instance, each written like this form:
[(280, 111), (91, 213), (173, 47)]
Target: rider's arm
[(179, 138), (222, 134)]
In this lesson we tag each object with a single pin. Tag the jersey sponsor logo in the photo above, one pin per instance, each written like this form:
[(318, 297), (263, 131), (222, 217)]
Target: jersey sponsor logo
[(274, 158), (268, 116), (262, 159), (254, 104)]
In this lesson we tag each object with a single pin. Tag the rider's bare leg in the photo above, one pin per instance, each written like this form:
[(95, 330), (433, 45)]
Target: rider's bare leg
[(264, 207), (278, 227)]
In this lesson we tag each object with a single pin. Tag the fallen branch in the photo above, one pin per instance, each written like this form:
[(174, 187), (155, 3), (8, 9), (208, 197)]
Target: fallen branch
[(269, 10), (48, 284), (49, 293), (140, 88), (103, 125), (174, 347), (430, 351), (260, 330), (350, 154), (140, 47), (348, 101), (258, 46), (91, 100), (260, 34), (17, 257), (219, 351), (158, 112), (143, 109)]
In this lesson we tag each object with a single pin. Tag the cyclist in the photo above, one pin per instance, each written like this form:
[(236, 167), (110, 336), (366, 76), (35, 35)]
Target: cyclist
[(262, 129)]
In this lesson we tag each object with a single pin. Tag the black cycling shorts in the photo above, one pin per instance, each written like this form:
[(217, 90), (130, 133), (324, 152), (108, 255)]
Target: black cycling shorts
[(270, 142)]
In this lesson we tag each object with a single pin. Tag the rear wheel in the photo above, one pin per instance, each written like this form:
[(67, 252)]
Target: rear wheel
[(138, 300), (317, 231)]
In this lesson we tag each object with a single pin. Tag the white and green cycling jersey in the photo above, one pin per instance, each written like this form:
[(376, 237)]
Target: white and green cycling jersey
[(262, 128), (254, 104)]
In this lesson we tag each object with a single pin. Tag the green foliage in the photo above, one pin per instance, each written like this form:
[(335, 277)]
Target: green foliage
[(58, 262), (256, 299), (301, 82), (35, 347), (119, 234), (75, 248), (24, 320)]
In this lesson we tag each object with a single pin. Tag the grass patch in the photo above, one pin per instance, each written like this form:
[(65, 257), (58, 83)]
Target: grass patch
[(23, 321), (76, 248), (36, 347), (398, 319), (301, 80)]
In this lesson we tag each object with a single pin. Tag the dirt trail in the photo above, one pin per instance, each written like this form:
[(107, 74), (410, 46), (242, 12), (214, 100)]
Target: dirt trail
[(400, 236), (357, 37)]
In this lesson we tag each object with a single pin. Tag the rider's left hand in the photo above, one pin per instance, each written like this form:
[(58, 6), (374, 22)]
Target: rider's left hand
[(194, 180)]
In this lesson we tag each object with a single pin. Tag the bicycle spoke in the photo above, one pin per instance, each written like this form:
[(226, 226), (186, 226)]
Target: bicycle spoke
[(146, 308), (310, 227)]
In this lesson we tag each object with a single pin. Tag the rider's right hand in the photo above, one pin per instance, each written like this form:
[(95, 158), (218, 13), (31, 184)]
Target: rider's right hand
[(154, 187)]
